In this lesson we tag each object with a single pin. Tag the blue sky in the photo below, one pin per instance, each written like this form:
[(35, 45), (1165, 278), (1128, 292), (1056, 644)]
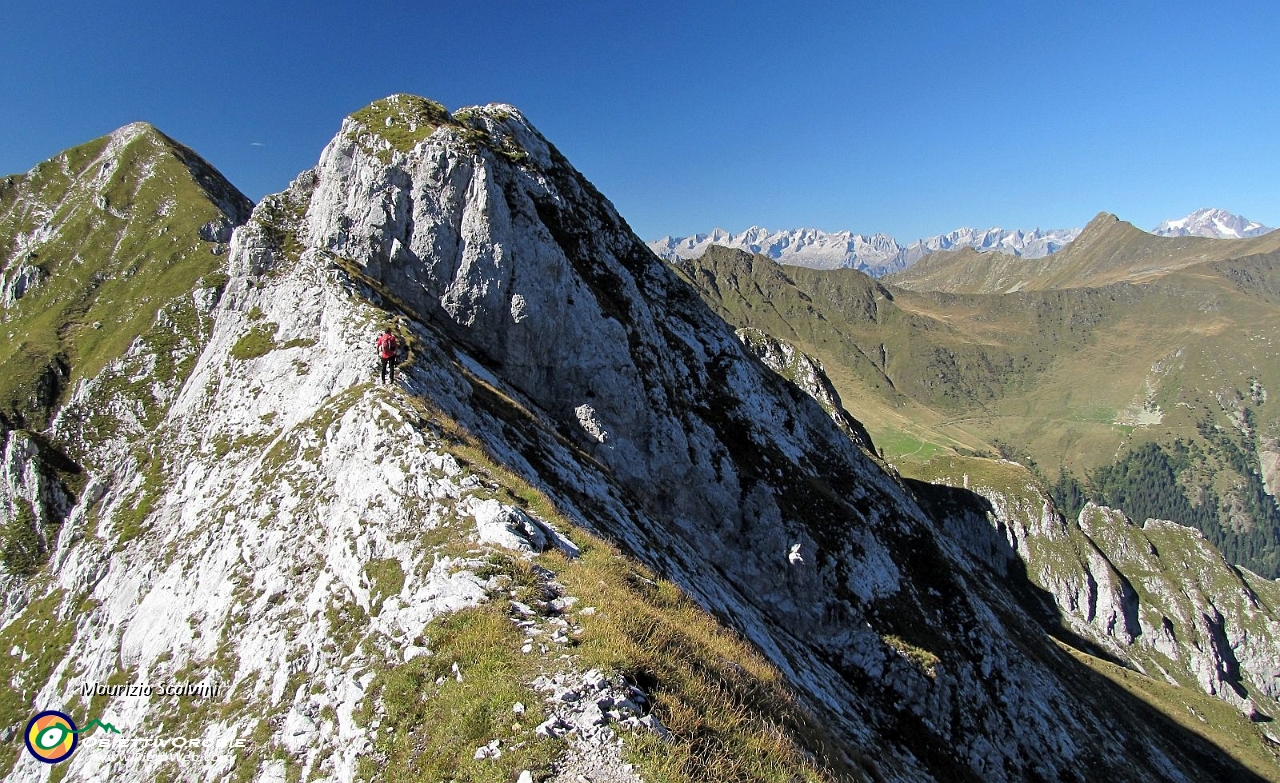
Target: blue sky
[(906, 118)]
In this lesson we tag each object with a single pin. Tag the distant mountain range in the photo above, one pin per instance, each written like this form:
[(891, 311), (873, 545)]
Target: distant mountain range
[(877, 255), (880, 254), (1108, 251)]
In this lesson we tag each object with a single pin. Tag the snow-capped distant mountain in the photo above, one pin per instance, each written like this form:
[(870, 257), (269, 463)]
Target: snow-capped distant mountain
[(1214, 223), (802, 247), (1028, 244), (876, 255)]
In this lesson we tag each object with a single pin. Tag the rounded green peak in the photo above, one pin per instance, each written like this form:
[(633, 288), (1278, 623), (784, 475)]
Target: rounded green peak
[(404, 106), (400, 122), (403, 120)]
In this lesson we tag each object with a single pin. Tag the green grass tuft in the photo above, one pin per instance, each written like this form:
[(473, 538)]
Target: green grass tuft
[(429, 730), (386, 579), (21, 550), (258, 341)]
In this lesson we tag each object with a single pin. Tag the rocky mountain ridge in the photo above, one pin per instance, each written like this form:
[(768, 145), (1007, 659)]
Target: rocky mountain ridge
[(266, 520)]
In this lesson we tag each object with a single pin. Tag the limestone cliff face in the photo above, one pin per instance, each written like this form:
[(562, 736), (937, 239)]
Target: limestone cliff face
[(808, 375), (272, 523), (1156, 596), (33, 504), (1219, 623)]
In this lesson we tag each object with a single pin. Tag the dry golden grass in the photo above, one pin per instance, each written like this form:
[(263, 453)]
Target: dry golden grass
[(730, 715)]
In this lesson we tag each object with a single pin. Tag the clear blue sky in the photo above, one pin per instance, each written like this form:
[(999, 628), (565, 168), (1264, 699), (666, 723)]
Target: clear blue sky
[(911, 118)]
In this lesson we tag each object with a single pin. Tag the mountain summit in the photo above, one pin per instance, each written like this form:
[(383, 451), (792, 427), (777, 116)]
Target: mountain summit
[(94, 243), (509, 562), (1213, 223)]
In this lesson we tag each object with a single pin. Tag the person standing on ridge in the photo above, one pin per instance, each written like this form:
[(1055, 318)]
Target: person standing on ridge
[(388, 349)]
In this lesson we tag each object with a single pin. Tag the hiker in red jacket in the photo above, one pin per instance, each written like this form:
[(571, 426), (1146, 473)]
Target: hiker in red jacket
[(388, 350)]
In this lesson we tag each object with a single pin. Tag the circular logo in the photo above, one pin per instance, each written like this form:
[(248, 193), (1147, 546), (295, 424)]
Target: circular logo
[(51, 736)]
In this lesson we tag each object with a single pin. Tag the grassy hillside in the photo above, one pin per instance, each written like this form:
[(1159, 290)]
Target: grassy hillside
[(102, 237)]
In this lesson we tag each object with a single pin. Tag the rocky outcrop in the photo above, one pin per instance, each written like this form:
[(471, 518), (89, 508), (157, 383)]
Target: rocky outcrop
[(1214, 621), (17, 283), (1157, 596), (807, 374), (1269, 463), (33, 503)]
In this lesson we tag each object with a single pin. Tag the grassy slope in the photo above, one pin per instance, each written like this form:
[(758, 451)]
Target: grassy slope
[(114, 230), (844, 319), (914, 368), (1175, 346)]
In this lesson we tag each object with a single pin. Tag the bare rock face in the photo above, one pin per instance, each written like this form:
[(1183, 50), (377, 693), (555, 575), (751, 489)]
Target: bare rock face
[(1157, 597), (808, 375), (16, 283), (1218, 622), (33, 504), (217, 230)]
